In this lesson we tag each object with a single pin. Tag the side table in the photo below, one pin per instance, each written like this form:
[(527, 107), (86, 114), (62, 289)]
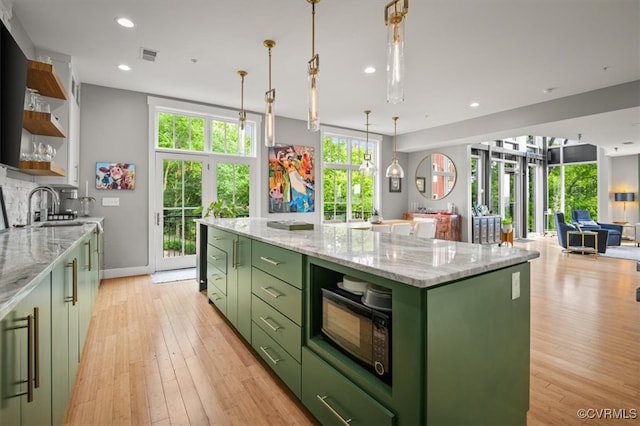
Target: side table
[(582, 248)]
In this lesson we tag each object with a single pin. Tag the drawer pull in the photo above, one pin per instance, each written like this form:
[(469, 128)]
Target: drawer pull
[(214, 258), (216, 297), (264, 350), (216, 277), (332, 410), (270, 293), (271, 261), (266, 321), (215, 238)]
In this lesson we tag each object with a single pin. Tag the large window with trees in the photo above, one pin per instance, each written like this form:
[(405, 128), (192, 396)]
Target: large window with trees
[(347, 194), (199, 163)]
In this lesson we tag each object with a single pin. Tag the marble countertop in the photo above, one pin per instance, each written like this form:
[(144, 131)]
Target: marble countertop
[(28, 254), (419, 262)]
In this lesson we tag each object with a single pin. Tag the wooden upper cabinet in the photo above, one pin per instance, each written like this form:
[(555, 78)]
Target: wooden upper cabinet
[(43, 78)]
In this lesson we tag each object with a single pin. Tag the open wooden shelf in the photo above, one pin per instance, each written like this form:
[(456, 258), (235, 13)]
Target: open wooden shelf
[(41, 168), (43, 78), (42, 123)]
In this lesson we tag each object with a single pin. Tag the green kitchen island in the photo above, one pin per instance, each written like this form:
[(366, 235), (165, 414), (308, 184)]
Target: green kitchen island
[(460, 324)]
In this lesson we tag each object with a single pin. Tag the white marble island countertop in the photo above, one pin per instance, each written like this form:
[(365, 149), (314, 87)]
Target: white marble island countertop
[(418, 262), (28, 254)]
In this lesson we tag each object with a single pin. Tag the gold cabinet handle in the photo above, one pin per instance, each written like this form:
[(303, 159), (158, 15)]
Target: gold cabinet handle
[(342, 420), (36, 346), (216, 297), (30, 355), (271, 261), (266, 321), (264, 350), (216, 277), (74, 295), (88, 243), (234, 255), (270, 293)]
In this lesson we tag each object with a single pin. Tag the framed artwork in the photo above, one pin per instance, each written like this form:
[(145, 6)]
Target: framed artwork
[(115, 176), (291, 181), (4, 222), (420, 184), (395, 184)]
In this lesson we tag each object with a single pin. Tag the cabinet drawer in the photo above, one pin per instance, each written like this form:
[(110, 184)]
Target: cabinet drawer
[(217, 298), (277, 358), (217, 258), (330, 396), (214, 276), (277, 293), (221, 239), (284, 331), (278, 262)]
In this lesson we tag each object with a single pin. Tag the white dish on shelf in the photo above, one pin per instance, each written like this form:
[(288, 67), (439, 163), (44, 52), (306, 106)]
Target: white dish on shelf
[(379, 308), (352, 291)]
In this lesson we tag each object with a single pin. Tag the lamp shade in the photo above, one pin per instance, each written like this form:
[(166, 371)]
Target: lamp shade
[(625, 196)]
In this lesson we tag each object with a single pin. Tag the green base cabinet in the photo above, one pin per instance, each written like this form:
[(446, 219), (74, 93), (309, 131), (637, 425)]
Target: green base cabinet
[(26, 336), (334, 400), (229, 277)]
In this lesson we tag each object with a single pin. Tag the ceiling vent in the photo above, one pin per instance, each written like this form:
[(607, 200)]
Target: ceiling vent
[(148, 54)]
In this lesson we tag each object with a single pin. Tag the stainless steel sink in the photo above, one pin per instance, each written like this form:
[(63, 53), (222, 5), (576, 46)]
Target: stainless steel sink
[(53, 224)]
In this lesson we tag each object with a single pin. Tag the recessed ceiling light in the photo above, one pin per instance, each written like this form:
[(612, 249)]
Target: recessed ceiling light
[(369, 70), (124, 67), (474, 104), (627, 143), (125, 22)]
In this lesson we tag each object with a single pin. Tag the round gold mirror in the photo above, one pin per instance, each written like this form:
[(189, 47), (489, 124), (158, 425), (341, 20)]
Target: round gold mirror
[(435, 176)]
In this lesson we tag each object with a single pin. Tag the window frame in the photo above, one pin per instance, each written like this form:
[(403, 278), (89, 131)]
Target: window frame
[(375, 141)]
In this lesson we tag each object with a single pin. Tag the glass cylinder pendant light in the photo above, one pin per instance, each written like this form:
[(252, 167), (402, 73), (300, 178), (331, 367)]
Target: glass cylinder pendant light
[(394, 20), (270, 98), (242, 116), (367, 167), (313, 121), (395, 169)]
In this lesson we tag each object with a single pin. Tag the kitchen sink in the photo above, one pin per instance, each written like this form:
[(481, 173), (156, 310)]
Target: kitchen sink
[(53, 224)]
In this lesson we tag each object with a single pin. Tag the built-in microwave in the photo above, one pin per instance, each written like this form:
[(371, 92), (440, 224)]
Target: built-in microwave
[(362, 332)]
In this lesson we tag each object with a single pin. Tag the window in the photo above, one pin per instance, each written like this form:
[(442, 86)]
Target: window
[(227, 164), (347, 194)]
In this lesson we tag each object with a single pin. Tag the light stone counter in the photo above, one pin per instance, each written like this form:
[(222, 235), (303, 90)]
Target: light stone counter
[(28, 254), (414, 261)]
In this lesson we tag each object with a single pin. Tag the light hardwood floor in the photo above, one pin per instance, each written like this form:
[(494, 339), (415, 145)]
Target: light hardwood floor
[(160, 354)]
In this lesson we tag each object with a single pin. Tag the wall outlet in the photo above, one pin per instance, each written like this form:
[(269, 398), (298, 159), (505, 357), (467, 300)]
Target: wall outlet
[(515, 285), (110, 201)]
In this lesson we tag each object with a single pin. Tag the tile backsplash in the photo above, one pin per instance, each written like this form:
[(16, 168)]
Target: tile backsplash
[(15, 193)]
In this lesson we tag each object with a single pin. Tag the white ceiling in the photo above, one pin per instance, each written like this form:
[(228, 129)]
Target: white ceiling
[(500, 53)]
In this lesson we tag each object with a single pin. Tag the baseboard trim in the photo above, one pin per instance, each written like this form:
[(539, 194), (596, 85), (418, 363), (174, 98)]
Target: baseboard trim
[(126, 272)]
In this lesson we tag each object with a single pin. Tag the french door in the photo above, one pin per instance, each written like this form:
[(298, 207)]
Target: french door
[(180, 185)]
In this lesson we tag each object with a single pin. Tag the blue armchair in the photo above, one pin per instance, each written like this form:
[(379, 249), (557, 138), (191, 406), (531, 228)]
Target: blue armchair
[(562, 227), (582, 218)]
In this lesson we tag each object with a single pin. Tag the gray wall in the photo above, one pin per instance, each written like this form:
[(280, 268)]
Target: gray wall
[(460, 193), (114, 128)]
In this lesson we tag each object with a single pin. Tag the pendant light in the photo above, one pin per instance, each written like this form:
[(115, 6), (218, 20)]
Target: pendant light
[(313, 122), (394, 20), (395, 169), (270, 98), (367, 167), (242, 119)]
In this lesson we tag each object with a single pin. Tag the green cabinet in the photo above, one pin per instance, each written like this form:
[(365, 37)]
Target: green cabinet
[(333, 399), (229, 277), (25, 350), (276, 310), (65, 323)]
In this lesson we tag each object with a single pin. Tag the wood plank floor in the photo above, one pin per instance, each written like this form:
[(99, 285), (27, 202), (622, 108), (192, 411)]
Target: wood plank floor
[(160, 354)]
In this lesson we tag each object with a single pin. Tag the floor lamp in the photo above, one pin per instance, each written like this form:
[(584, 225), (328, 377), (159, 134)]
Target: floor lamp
[(624, 197)]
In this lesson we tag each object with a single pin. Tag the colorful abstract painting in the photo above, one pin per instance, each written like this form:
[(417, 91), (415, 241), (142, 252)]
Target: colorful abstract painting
[(291, 181), (115, 176)]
